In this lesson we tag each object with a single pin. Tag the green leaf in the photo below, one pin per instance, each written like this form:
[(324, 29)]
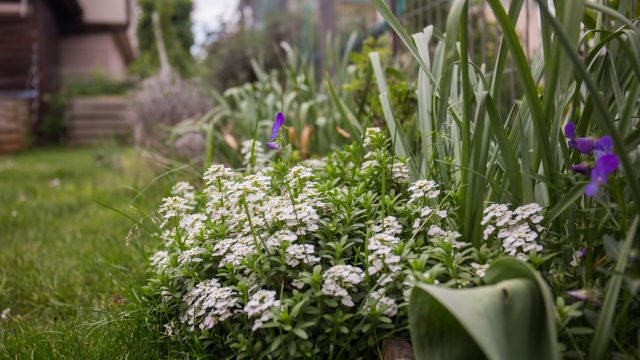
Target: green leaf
[(494, 321), (301, 333), (604, 328)]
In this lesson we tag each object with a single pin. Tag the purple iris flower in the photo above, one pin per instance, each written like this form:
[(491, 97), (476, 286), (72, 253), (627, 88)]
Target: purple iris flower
[(275, 129), (605, 165), (584, 145), (603, 146), (570, 133), (582, 168), (273, 145)]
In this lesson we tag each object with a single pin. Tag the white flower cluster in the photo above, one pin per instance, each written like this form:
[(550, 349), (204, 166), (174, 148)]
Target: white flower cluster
[(174, 207), (191, 256), (298, 174), (339, 279), (253, 150), (378, 302), (446, 236), (400, 172), (186, 191), (160, 260), (517, 230), (370, 135), (381, 255), (423, 190), (263, 305), (208, 304), (297, 254), (425, 215), (389, 225)]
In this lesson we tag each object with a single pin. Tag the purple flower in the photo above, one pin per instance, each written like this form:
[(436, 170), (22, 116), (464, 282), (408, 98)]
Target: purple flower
[(603, 146), (275, 129), (584, 145), (273, 145), (582, 168), (570, 130), (605, 165)]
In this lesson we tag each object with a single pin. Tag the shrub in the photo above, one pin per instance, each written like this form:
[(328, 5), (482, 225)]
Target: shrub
[(313, 259)]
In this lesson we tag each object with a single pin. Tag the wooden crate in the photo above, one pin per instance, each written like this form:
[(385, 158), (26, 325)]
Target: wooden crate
[(14, 125), (99, 118)]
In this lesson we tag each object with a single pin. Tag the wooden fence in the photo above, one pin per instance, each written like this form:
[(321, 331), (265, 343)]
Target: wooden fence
[(99, 118), (14, 125)]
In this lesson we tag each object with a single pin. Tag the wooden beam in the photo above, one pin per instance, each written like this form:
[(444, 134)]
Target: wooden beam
[(15, 9)]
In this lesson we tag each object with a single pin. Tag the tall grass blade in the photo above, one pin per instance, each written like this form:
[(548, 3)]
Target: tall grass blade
[(604, 328)]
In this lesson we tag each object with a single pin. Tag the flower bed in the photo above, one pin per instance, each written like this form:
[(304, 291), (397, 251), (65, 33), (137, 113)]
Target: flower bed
[(317, 258)]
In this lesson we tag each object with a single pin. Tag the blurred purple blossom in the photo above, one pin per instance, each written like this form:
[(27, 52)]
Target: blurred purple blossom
[(275, 129), (606, 161), (605, 165), (582, 168)]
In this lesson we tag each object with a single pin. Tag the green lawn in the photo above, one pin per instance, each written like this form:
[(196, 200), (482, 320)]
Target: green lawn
[(64, 257)]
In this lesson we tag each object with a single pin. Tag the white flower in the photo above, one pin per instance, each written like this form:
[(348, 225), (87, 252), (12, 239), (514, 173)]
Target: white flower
[(339, 279), (423, 190), (370, 135), (518, 229), (174, 206), (315, 163), (4, 315), (208, 304), (281, 236), (170, 328), (191, 256), (298, 175), (480, 269), (390, 225), (217, 173), (380, 303), (160, 260), (262, 305), (184, 190), (400, 172), (297, 254)]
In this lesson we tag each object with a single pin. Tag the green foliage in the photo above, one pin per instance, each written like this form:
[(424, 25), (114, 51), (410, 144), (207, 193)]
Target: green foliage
[(512, 314), (402, 92), (229, 59), (522, 156), (175, 24)]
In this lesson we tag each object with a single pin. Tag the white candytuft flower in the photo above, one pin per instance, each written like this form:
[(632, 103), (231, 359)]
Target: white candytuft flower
[(208, 304), (423, 190), (262, 305), (160, 260), (400, 172), (339, 279), (380, 303), (517, 230), (297, 254), (370, 135), (191, 256), (217, 173), (174, 207), (390, 225), (298, 175)]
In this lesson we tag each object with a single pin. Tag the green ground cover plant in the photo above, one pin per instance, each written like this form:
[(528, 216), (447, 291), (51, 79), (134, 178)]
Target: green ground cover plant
[(65, 265)]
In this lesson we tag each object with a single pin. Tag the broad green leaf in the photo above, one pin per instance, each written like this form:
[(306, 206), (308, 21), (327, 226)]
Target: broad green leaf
[(511, 316)]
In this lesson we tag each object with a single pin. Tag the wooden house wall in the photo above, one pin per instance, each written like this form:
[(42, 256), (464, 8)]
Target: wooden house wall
[(16, 53)]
